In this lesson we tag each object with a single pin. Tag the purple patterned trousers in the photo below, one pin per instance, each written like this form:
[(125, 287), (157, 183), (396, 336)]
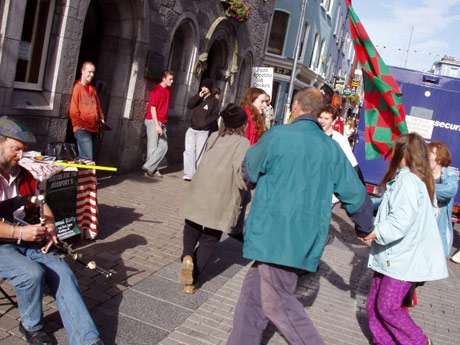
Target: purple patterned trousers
[(388, 322)]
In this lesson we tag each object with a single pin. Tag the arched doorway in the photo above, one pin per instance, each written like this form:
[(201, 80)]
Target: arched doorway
[(181, 58), (109, 38), (91, 37), (220, 56), (244, 79), (217, 65), (89, 49)]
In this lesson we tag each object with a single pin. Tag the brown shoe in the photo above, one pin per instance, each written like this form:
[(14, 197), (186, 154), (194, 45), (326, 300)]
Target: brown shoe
[(189, 289), (186, 272)]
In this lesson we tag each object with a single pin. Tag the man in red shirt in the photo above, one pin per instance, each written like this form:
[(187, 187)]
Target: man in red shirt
[(155, 123), (86, 113)]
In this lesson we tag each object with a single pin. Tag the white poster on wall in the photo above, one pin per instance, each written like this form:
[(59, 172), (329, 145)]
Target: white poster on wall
[(262, 77), (421, 126)]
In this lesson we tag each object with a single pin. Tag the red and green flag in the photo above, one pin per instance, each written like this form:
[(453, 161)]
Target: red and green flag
[(385, 117)]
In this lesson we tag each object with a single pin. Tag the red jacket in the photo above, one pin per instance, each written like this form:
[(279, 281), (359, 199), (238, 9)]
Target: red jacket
[(27, 186)]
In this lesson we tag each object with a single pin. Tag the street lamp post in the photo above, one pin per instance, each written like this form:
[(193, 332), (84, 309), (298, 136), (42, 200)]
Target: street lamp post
[(287, 106)]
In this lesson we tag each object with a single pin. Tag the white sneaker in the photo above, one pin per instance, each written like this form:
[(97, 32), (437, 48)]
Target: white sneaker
[(186, 178), (456, 257)]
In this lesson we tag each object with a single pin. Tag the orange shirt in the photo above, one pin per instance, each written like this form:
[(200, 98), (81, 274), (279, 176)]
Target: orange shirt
[(85, 108)]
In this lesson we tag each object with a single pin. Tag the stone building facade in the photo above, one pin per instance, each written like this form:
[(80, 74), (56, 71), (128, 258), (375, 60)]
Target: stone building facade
[(43, 43)]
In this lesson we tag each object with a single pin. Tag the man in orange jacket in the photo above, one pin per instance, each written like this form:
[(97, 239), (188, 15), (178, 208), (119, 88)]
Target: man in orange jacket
[(86, 113)]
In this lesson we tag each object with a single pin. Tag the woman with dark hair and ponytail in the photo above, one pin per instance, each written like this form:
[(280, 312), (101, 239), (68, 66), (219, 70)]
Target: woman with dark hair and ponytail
[(254, 103), (406, 245)]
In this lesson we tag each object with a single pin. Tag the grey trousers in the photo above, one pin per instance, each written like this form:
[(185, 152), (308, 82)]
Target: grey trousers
[(194, 147), (157, 146), (268, 294)]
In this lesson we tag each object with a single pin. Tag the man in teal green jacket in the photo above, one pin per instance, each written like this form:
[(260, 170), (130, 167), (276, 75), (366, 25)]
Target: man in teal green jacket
[(296, 168)]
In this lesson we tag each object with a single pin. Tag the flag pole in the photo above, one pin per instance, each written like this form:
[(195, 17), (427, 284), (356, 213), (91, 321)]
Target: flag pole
[(408, 46), (287, 106)]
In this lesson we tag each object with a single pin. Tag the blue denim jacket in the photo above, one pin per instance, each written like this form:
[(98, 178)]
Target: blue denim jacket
[(446, 190), (408, 245)]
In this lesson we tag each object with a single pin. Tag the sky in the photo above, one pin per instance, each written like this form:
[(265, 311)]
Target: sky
[(435, 23)]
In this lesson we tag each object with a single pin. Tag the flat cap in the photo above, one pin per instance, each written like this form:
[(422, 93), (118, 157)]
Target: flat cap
[(12, 129)]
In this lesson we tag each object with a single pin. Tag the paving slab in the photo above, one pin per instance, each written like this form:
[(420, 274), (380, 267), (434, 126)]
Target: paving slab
[(141, 239)]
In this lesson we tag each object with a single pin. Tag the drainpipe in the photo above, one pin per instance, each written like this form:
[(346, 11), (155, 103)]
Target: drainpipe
[(287, 106)]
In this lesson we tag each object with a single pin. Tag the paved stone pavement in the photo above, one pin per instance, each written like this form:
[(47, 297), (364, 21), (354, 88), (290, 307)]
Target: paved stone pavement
[(140, 239)]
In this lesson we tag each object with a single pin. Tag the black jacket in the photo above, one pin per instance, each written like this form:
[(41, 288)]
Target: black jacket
[(204, 112)]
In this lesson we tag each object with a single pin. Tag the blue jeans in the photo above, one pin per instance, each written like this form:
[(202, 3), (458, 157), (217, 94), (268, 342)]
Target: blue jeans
[(86, 142), (157, 146), (27, 268)]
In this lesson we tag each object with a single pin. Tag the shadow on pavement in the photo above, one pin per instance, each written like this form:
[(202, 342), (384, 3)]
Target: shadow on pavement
[(360, 276), (226, 261), (105, 179), (114, 218), (308, 289), (109, 256), (309, 283), (96, 289)]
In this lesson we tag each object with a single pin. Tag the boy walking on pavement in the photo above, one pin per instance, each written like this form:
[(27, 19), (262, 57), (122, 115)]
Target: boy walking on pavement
[(155, 124)]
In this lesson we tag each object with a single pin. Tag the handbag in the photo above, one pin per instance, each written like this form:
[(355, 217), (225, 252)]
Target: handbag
[(62, 151)]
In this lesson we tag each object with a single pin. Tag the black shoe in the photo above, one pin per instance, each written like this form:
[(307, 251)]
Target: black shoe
[(239, 236), (35, 338)]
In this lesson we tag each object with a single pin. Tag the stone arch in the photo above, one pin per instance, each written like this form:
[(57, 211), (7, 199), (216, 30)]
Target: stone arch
[(244, 77), (181, 59), (219, 57)]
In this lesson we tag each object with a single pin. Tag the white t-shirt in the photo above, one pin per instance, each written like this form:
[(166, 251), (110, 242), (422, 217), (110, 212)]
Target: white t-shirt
[(345, 146)]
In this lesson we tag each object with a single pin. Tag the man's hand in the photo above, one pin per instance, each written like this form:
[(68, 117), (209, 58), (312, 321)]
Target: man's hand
[(369, 238), (32, 233), (159, 129), (51, 236), (51, 232)]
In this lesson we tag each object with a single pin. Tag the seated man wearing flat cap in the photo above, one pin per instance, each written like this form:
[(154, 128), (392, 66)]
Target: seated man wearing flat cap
[(22, 262)]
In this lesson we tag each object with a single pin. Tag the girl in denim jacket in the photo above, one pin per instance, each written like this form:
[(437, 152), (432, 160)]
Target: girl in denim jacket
[(406, 244), (446, 178)]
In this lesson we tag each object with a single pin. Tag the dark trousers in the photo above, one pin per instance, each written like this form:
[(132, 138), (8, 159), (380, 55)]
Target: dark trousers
[(268, 294), (200, 243)]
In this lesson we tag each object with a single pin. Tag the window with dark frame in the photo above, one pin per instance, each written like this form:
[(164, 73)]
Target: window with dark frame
[(306, 30), (34, 42), (278, 32)]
